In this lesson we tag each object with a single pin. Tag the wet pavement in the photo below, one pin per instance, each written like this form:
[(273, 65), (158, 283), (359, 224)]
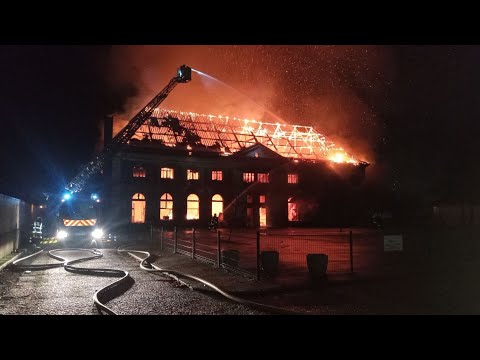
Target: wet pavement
[(56, 291)]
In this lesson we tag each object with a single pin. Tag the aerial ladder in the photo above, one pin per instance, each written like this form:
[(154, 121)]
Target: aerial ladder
[(184, 75)]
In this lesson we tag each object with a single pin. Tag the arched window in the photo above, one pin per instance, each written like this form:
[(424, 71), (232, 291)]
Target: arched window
[(193, 207), (139, 172), (138, 208), (166, 207), (292, 210), (217, 205)]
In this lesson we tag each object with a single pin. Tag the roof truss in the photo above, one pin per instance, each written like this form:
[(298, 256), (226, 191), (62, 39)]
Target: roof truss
[(231, 134)]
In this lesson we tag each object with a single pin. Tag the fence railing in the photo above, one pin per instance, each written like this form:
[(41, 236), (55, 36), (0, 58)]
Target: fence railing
[(260, 254), (200, 245)]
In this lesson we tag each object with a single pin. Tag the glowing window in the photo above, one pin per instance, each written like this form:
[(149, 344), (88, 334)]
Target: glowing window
[(138, 208), (192, 174), (263, 178), (217, 205), (217, 175), (166, 207), (166, 173), (139, 171), (262, 199), (292, 210), (292, 178), (248, 177), (193, 207)]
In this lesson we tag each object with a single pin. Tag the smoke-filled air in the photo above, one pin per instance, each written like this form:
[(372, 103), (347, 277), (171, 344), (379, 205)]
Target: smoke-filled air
[(339, 90)]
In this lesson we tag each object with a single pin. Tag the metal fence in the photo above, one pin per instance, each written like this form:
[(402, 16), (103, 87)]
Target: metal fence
[(282, 254), (262, 254), (198, 244)]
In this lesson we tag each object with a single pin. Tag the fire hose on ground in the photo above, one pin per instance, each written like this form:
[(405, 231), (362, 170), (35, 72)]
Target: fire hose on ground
[(102, 295), (107, 293), (145, 265)]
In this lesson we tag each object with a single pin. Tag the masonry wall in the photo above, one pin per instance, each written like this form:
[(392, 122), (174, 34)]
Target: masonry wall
[(322, 191)]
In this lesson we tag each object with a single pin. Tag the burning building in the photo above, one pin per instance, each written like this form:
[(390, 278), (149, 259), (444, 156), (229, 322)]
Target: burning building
[(182, 168)]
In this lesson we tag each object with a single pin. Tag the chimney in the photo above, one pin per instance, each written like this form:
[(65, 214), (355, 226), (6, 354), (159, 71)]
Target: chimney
[(107, 130)]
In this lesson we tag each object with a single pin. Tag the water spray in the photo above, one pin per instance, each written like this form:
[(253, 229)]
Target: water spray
[(240, 93)]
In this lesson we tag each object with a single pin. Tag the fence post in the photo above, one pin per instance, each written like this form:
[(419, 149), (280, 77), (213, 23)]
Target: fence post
[(175, 240), (193, 243), (151, 236), (258, 255), (161, 238), (351, 252), (218, 249)]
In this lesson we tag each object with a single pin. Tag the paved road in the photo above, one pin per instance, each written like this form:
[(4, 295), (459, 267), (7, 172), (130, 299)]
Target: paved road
[(56, 291)]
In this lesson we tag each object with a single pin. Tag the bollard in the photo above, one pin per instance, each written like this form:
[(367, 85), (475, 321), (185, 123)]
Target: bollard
[(317, 266), (270, 261)]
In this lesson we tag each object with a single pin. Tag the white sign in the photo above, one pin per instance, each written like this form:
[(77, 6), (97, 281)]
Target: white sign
[(393, 243)]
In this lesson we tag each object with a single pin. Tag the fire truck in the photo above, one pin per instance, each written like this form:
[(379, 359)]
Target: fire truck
[(79, 218), (81, 213)]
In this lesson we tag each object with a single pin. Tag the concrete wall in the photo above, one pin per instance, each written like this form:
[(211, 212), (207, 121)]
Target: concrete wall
[(14, 223)]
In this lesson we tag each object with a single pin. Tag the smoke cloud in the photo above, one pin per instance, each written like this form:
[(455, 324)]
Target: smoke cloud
[(340, 90)]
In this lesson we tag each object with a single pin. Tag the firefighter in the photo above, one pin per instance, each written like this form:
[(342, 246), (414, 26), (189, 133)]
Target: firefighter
[(37, 229), (213, 222)]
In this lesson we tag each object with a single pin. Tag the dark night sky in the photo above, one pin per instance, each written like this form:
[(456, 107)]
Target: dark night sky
[(423, 102)]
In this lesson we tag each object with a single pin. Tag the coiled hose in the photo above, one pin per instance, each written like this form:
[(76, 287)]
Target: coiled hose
[(102, 295)]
